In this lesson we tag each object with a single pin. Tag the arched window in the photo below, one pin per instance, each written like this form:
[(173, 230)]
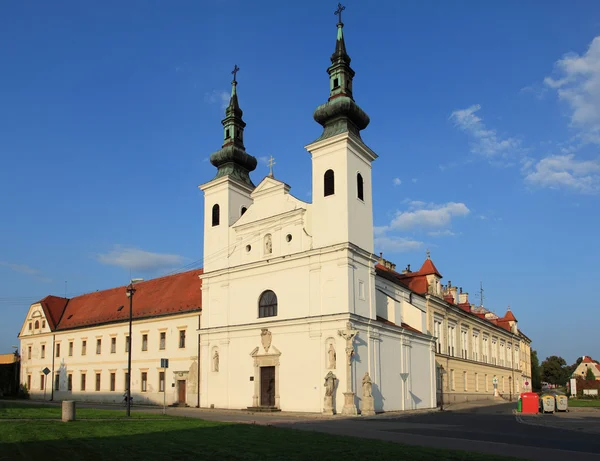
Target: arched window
[(359, 186), (267, 305), (37, 324), (328, 185), (215, 215), (243, 210)]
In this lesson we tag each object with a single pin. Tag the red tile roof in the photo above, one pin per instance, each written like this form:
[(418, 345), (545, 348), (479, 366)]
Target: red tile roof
[(428, 268), (172, 294), (509, 316), (53, 307), (587, 359)]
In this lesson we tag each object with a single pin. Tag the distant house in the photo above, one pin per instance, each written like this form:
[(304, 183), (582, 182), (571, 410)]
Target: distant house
[(587, 363)]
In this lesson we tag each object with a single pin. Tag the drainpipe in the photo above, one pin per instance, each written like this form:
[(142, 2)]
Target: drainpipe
[(53, 378), (198, 373)]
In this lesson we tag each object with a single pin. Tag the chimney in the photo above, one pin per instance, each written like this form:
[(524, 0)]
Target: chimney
[(463, 297)]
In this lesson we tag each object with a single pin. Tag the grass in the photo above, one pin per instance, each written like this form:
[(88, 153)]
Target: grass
[(187, 439), (18, 410), (584, 403)]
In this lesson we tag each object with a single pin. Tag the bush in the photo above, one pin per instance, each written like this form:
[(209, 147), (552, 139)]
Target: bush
[(23, 392)]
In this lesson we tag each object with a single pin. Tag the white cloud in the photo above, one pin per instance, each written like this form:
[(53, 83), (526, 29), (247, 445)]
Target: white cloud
[(397, 181), (25, 269), (442, 233), (414, 180), (264, 160), (396, 244), (428, 215), (566, 172), (485, 141), (577, 83), (218, 96), (140, 260)]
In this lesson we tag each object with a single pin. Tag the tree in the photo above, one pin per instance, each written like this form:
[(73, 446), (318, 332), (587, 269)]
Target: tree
[(589, 376), (536, 378), (555, 370)]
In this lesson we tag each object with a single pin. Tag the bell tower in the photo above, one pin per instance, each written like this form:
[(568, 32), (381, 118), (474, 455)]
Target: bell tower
[(341, 161), (227, 195)]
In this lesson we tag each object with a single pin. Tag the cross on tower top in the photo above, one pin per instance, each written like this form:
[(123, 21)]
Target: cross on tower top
[(428, 254), (339, 11), (270, 164), (235, 71)]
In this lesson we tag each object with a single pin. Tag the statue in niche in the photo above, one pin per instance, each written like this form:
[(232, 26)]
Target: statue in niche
[(367, 385), (268, 244), (329, 384), (331, 357), (216, 361)]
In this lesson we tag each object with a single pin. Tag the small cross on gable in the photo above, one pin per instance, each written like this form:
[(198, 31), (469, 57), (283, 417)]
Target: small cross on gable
[(235, 71), (339, 11), (270, 163)]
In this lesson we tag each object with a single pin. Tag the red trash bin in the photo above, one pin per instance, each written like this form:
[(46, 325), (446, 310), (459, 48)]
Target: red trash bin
[(530, 402)]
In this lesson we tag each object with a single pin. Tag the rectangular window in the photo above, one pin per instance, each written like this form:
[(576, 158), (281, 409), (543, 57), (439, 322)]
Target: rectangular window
[(475, 346), (181, 339), (161, 381), (465, 379), (70, 382), (464, 344), (484, 352), (58, 349), (144, 381), (83, 381), (437, 332), (113, 379), (451, 340), (28, 382), (98, 346), (29, 353), (476, 382), (43, 354), (70, 348), (97, 381), (126, 385), (83, 347), (113, 345), (42, 381), (144, 342), (126, 343), (163, 340), (57, 382), (30, 325)]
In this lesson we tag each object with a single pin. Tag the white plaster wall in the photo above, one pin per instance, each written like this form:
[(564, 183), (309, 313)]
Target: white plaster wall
[(182, 360)]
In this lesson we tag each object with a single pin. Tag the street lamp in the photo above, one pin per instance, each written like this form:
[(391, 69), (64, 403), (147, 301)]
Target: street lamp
[(130, 293), (16, 348), (510, 388), (442, 372)]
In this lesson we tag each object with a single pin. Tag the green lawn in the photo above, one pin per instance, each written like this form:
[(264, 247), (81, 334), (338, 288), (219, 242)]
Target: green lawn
[(10, 409), (191, 439), (584, 403)]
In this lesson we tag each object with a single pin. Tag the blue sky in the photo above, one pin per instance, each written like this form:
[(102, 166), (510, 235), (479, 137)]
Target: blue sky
[(485, 116)]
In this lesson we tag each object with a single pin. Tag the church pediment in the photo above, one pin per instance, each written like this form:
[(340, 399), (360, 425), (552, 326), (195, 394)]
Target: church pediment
[(269, 186)]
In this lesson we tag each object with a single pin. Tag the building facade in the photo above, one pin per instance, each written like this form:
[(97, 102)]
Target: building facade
[(585, 364), (83, 344), (479, 355)]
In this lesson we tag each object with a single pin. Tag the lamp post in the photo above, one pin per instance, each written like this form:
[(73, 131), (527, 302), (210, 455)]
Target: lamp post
[(16, 348), (442, 371), (130, 293), (510, 388)]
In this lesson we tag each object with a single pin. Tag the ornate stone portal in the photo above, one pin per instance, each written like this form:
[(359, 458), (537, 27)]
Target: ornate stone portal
[(349, 334), (270, 358), (328, 407), (367, 404)]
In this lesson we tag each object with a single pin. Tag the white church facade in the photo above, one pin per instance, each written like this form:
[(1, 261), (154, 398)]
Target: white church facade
[(294, 317)]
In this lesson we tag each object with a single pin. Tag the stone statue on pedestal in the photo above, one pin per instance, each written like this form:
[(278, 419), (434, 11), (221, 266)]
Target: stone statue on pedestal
[(328, 408), (368, 403)]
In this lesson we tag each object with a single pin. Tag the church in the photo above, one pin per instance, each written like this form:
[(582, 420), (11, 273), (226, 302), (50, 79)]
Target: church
[(294, 316), (291, 311)]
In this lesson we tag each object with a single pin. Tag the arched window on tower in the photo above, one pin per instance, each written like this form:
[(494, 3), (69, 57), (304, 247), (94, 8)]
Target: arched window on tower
[(359, 187), (329, 183), (267, 304), (37, 324), (215, 215)]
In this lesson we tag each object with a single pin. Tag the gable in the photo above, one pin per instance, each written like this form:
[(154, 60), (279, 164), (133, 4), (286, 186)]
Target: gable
[(43, 316)]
